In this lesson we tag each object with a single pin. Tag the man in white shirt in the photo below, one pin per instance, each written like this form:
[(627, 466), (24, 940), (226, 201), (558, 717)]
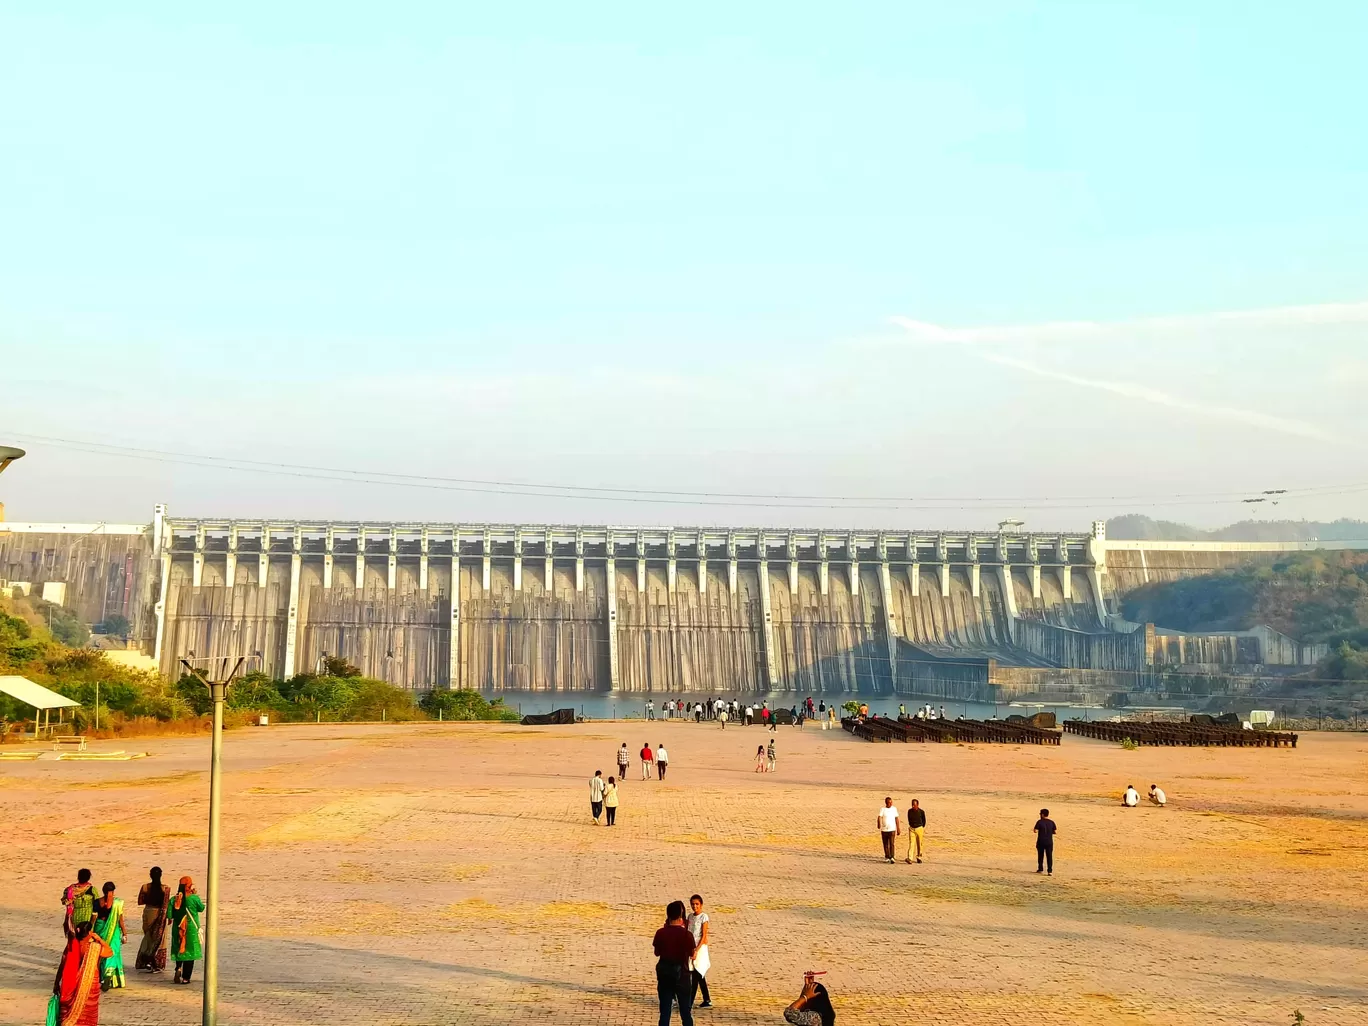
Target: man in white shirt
[(1157, 796), (750, 715), (650, 709), (662, 761), (889, 828), (1131, 798), (697, 923), (596, 788)]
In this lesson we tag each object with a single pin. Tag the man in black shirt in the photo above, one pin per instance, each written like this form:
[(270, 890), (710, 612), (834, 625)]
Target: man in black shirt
[(916, 833), (1045, 831), (674, 946)]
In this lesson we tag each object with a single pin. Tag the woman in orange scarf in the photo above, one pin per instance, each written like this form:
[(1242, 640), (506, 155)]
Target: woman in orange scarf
[(184, 915), (77, 986)]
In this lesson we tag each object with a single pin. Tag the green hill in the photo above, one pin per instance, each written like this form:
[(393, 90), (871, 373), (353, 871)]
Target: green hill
[(1134, 526), (1319, 596)]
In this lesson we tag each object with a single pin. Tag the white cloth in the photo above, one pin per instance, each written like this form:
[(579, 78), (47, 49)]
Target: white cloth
[(596, 787), (701, 963), (888, 819), (662, 755)]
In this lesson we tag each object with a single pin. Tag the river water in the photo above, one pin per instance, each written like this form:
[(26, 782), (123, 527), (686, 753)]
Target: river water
[(599, 706)]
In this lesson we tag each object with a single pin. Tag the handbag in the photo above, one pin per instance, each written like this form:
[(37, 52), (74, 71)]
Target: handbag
[(54, 1010)]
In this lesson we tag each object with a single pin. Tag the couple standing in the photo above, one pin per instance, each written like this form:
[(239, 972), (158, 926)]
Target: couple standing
[(603, 797), (682, 961)]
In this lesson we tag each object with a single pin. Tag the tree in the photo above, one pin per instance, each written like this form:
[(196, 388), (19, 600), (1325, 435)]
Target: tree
[(116, 625), (336, 666)]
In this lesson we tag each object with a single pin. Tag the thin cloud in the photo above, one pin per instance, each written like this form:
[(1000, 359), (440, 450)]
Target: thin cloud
[(1254, 418), (1065, 331)]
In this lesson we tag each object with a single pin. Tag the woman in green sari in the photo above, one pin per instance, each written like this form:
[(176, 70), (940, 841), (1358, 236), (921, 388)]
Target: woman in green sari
[(184, 915), (109, 924)]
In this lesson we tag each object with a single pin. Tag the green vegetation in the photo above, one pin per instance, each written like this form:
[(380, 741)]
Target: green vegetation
[(28, 649), (137, 701), (465, 705), (1317, 596)]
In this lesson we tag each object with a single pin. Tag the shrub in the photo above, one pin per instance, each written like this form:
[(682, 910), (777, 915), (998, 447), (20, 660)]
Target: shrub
[(464, 705)]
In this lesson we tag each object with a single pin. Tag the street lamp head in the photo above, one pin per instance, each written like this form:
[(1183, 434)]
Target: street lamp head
[(8, 454)]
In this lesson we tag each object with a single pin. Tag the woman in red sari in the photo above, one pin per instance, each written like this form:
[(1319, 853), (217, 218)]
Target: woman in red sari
[(78, 978)]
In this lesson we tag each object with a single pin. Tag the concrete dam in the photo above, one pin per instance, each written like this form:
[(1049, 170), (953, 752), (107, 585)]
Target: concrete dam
[(968, 615)]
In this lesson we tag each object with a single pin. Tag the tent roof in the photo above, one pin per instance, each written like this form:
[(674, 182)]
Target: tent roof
[(34, 694)]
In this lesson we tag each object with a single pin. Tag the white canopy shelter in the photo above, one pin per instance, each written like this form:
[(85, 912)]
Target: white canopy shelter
[(37, 696)]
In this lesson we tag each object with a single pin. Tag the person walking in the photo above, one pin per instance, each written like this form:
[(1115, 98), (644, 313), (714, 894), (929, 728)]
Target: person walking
[(79, 902), (646, 759), (916, 831), (610, 800), (596, 789), (697, 924), (771, 757), (1045, 831), (722, 718), (184, 914), (624, 759), (889, 829), (153, 897), (77, 986), (662, 761), (760, 759), (110, 928), (750, 715), (674, 948)]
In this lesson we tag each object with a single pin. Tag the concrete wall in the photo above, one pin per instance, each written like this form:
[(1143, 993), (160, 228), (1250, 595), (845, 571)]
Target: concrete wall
[(103, 573)]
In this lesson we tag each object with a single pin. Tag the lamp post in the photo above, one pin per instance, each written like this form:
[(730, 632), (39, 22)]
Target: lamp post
[(8, 454), (218, 692)]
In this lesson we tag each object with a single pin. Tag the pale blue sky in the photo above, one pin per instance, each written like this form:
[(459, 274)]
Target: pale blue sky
[(613, 245)]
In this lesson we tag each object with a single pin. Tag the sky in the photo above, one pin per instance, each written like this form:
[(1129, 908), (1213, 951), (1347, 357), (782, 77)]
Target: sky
[(929, 265)]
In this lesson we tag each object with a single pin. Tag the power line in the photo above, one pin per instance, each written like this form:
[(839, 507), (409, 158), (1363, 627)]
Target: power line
[(663, 496)]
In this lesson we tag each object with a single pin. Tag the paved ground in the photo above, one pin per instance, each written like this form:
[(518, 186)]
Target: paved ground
[(449, 874)]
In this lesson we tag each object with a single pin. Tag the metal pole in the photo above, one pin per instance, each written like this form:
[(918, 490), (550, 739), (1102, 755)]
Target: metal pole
[(218, 690), (97, 705)]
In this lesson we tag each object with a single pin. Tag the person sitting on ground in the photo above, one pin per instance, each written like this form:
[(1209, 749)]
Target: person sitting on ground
[(813, 1005), (1131, 798), (1157, 796)]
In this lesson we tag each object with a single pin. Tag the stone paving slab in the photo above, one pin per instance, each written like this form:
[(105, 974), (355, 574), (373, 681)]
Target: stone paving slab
[(450, 874)]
